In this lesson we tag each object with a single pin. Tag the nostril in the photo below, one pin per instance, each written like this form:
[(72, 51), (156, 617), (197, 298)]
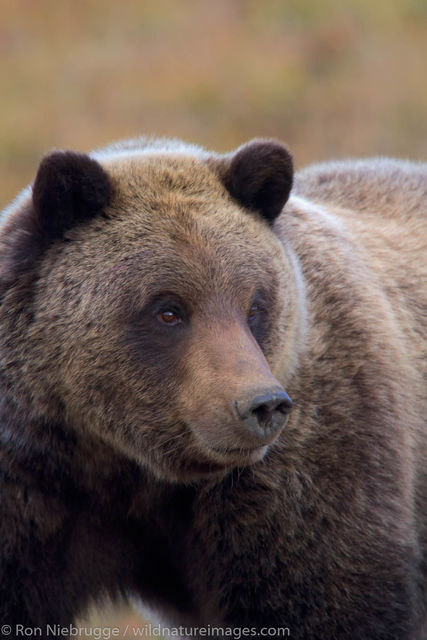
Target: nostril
[(270, 402), (285, 407), (266, 413), (263, 414)]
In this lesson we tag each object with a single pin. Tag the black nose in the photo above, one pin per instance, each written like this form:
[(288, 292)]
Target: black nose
[(266, 413)]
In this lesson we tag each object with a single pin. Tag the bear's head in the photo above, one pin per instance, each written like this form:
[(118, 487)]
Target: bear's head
[(147, 299)]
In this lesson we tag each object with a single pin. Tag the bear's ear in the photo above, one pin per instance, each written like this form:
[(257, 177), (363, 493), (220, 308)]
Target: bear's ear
[(259, 176), (69, 188)]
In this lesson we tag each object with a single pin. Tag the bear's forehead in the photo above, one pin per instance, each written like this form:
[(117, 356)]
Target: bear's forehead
[(202, 265), (159, 175), (193, 249), (179, 200)]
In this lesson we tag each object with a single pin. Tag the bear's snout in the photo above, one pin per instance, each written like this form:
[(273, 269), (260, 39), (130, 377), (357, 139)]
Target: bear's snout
[(237, 407), (264, 414)]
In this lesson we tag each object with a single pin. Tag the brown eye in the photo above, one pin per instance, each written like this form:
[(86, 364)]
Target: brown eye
[(169, 318), (253, 312)]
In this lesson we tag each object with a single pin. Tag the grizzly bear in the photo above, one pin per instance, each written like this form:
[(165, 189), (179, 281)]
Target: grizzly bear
[(214, 393)]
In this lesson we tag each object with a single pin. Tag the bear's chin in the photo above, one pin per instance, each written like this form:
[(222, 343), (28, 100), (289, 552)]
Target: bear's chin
[(219, 462), (212, 465)]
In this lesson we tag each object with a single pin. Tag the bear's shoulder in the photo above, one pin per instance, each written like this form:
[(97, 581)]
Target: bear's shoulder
[(388, 186)]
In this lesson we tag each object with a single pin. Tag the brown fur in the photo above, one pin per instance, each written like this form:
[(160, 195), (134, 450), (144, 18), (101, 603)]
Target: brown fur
[(125, 467)]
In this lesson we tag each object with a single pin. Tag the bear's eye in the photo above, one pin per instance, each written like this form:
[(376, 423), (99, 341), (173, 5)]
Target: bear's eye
[(169, 317), (254, 311)]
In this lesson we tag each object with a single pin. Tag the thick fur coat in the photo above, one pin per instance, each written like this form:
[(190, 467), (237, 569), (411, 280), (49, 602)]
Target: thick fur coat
[(162, 307)]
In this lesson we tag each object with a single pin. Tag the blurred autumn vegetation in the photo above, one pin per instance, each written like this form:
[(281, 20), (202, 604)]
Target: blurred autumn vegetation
[(332, 78)]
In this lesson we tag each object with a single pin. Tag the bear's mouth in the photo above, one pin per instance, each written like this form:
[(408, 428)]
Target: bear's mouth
[(237, 450), (240, 455), (223, 460), (217, 459)]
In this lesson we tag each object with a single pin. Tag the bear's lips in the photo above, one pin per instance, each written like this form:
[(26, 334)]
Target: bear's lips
[(237, 449), (223, 460), (240, 455)]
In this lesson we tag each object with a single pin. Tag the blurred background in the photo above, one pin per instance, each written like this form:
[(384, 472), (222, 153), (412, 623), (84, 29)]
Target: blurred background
[(332, 79)]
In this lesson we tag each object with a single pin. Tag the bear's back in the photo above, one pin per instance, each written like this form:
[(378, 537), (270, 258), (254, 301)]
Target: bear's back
[(374, 210), (393, 188)]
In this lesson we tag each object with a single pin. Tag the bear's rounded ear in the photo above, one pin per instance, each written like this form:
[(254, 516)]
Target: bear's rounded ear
[(259, 176), (69, 188)]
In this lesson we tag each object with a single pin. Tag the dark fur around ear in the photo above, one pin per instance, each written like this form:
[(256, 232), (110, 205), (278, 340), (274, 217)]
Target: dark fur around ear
[(259, 176), (69, 188)]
